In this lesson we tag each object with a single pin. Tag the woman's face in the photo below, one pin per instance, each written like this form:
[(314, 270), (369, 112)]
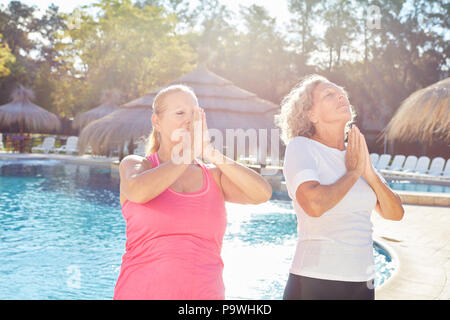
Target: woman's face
[(178, 114), (330, 105)]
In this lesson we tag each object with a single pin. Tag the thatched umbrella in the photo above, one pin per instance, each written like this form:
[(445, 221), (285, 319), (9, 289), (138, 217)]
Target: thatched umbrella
[(27, 116), (109, 103), (114, 129), (423, 117), (227, 107)]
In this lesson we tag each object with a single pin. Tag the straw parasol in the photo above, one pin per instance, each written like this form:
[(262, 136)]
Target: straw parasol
[(109, 103), (27, 116), (423, 117), (116, 128), (227, 107)]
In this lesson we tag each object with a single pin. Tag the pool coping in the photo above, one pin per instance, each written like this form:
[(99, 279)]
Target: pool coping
[(424, 198)]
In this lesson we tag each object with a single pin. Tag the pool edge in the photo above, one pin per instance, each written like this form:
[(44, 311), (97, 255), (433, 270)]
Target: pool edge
[(394, 257)]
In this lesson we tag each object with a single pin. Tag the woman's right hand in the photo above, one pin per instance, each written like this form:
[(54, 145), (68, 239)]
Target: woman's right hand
[(197, 134), (191, 141), (355, 157)]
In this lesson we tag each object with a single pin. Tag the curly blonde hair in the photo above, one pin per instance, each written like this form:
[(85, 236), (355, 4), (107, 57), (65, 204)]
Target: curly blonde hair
[(293, 119)]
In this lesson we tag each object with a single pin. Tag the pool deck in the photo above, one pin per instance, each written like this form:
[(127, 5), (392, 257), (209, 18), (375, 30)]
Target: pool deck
[(419, 243)]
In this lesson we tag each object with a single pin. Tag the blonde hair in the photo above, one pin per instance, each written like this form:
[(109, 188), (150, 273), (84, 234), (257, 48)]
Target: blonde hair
[(159, 106), (293, 118)]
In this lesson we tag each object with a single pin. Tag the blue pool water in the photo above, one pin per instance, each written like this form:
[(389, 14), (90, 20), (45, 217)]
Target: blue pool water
[(62, 236), (418, 187)]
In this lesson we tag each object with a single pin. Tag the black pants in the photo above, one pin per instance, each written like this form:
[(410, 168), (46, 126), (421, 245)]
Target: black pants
[(305, 288)]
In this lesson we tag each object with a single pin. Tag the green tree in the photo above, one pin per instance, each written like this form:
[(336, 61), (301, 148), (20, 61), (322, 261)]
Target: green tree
[(16, 22), (48, 27), (408, 51), (304, 12), (210, 32), (256, 59), (127, 47), (341, 28), (6, 58)]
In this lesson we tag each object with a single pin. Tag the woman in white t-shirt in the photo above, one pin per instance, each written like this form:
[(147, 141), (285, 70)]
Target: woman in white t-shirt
[(334, 189)]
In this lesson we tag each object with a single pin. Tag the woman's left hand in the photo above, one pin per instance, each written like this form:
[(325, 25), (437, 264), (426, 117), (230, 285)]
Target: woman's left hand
[(207, 150), (368, 172)]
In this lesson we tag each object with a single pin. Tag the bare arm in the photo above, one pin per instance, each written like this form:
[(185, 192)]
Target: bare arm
[(139, 182), (316, 199), (389, 205)]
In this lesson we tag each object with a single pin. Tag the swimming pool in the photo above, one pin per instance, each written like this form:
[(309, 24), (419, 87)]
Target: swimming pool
[(62, 236), (408, 185)]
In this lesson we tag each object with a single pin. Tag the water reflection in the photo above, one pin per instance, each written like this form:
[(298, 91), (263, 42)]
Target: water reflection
[(73, 180)]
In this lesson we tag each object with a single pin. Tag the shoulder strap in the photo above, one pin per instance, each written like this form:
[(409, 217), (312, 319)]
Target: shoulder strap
[(153, 159)]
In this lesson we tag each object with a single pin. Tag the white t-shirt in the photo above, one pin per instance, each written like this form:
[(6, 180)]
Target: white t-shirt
[(337, 245)]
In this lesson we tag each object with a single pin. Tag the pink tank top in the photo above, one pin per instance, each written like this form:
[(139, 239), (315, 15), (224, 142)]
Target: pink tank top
[(173, 245)]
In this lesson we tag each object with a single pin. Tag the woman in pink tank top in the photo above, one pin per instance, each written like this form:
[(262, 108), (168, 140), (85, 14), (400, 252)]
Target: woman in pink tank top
[(175, 210)]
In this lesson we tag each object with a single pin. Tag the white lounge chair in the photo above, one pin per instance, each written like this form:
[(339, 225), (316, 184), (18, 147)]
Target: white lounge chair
[(437, 166), (71, 146), (374, 157), (248, 160), (446, 172), (422, 165), (47, 145), (397, 163), (383, 162), (410, 164)]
